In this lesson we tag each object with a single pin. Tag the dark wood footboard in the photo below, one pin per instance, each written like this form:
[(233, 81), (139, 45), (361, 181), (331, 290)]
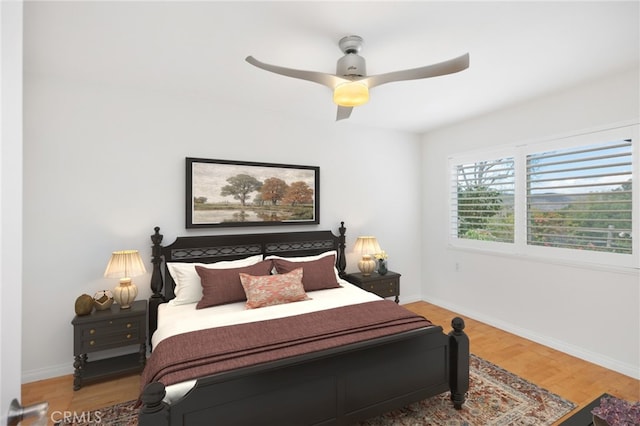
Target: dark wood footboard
[(334, 387)]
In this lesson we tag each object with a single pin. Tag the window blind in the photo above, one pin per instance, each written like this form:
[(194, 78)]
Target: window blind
[(581, 198), (483, 198)]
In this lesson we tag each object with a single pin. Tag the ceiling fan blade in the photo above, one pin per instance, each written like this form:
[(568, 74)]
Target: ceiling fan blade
[(328, 80), (343, 113), (442, 68)]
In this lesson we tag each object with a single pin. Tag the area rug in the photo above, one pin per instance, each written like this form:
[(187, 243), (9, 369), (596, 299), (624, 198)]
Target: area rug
[(496, 397)]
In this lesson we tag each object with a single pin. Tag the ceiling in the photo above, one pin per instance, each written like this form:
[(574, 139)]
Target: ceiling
[(518, 50)]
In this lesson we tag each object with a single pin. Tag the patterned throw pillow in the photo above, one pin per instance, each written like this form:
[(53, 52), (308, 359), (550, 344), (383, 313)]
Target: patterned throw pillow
[(271, 290)]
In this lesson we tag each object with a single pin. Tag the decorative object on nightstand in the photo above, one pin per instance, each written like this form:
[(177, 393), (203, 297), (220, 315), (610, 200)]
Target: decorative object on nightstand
[(103, 300), (109, 329), (84, 305), (381, 258), (387, 285), (125, 264), (366, 246)]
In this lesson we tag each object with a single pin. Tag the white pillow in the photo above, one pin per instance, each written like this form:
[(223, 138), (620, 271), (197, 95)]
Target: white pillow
[(307, 259), (188, 288)]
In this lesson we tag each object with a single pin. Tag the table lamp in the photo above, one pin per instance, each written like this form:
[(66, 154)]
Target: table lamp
[(366, 246), (125, 264)]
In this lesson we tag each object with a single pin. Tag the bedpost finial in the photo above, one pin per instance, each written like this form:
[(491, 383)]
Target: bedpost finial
[(156, 238), (154, 411), (458, 324), (152, 396)]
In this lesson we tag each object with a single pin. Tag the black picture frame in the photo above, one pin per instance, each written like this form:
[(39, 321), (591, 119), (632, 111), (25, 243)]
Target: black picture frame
[(224, 193)]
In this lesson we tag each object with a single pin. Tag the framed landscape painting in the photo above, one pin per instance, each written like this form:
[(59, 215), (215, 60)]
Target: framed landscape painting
[(240, 193)]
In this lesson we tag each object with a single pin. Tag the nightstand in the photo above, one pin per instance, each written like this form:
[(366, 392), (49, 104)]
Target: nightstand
[(109, 329), (387, 285)]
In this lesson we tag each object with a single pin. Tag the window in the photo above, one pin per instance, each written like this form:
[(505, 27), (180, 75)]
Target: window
[(571, 198), (484, 200), (580, 198)]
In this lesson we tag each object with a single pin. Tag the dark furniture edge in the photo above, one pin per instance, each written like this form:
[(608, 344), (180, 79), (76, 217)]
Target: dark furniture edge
[(583, 416)]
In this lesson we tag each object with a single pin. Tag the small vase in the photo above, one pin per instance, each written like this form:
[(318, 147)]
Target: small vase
[(382, 266)]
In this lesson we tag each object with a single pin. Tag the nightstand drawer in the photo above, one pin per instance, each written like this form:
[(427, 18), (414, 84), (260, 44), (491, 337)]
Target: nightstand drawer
[(387, 285), (105, 341), (385, 288), (109, 327)]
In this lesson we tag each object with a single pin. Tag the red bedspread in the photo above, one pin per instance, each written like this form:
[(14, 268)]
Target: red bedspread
[(205, 352)]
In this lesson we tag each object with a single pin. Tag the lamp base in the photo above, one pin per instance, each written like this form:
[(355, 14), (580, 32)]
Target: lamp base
[(125, 293), (366, 265)]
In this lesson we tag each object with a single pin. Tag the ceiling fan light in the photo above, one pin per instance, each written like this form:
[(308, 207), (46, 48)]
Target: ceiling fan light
[(351, 94)]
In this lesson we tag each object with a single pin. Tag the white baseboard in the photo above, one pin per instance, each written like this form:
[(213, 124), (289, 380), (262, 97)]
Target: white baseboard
[(409, 299), (47, 373), (67, 368), (590, 356)]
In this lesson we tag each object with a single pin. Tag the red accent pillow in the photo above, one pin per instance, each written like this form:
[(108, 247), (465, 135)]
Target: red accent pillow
[(221, 286), (268, 290), (317, 274)]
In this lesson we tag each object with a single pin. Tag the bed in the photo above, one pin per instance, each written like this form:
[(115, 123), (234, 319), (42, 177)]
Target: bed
[(240, 365)]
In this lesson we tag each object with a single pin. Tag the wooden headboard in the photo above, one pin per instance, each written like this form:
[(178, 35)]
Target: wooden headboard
[(214, 248)]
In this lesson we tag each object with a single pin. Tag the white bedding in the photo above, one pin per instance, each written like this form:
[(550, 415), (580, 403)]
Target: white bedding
[(179, 319)]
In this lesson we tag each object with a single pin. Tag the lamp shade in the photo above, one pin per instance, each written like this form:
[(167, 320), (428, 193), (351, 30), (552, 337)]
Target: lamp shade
[(366, 246), (125, 264), (351, 94)]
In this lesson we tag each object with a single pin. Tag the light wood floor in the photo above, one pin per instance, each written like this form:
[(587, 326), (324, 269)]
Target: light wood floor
[(573, 379)]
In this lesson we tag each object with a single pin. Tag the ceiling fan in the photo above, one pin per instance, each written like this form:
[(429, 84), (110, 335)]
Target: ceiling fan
[(351, 84)]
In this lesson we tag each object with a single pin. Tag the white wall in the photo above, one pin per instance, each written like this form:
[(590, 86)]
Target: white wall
[(591, 313), (104, 165), (10, 202)]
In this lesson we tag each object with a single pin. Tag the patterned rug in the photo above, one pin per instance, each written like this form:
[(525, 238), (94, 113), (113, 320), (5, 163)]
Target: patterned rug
[(496, 397)]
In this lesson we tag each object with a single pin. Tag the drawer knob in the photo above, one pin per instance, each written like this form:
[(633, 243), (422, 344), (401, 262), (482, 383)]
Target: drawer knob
[(92, 342), (129, 325), (92, 331), (128, 336)]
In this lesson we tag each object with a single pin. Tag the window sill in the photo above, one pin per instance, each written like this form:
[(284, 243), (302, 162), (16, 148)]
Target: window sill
[(618, 269)]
